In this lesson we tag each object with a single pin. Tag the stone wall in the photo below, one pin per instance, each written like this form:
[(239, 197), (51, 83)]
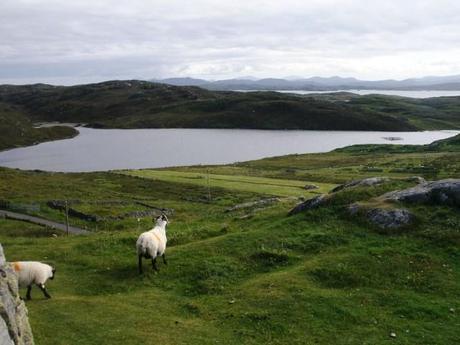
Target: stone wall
[(14, 322)]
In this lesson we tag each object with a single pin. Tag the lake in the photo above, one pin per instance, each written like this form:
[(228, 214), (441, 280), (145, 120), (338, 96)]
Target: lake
[(108, 149)]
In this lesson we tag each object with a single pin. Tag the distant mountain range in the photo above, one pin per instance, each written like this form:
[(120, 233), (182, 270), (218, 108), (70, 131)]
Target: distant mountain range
[(319, 83)]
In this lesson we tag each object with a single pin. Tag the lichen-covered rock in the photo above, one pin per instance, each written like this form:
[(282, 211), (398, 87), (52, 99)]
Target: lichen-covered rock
[(354, 208), (416, 179), (14, 322), (389, 218), (367, 182), (442, 192), (309, 204), (384, 218), (258, 203)]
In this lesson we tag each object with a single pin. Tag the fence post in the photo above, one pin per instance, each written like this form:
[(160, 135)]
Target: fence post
[(208, 184), (67, 217)]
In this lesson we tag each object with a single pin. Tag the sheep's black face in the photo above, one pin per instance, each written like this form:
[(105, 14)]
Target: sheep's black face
[(53, 272), (162, 218)]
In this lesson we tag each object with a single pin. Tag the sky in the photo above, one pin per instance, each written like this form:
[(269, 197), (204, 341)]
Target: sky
[(79, 41)]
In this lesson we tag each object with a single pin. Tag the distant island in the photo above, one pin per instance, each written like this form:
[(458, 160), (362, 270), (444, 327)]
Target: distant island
[(144, 104)]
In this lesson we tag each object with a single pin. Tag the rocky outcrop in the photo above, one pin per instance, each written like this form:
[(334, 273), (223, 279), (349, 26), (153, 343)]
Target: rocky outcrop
[(14, 322), (442, 192), (384, 218), (309, 204), (323, 198), (367, 182), (389, 218), (380, 211), (257, 203), (416, 179)]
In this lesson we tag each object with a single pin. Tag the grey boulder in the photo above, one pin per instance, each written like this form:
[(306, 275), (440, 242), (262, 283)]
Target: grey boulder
[(384, 218), (258, 203), (442, 192), (309, 204), (416, 179), (389, 218), (367, 182)]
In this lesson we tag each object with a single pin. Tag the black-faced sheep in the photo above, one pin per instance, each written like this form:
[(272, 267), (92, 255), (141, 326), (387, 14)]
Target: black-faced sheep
[(33, 272), (151, 244)]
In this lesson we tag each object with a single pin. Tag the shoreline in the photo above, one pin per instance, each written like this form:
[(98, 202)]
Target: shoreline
[(77, 133), (58, 124)]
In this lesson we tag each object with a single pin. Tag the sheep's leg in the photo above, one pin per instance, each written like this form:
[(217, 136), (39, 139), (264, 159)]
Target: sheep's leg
[(140, 264), (154, 264), (164, 259), (43, 288), (29, 288)]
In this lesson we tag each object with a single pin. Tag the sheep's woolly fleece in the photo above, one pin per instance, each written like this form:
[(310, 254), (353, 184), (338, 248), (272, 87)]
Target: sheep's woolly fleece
[(32, 272), (153, 242)]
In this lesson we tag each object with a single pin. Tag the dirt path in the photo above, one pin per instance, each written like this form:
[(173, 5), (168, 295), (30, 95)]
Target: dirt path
[(49, 223)]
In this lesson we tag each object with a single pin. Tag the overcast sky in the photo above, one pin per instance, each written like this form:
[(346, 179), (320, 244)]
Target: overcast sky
[(79, 41)]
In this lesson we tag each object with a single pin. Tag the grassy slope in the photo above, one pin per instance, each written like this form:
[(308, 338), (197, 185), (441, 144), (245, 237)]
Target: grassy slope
[(16, 129), (136, 104), (315, 278)]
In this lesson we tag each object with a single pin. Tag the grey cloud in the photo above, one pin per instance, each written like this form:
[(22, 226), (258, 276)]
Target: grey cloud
[(66, 42)]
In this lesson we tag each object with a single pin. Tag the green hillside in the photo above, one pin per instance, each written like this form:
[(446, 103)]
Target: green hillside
[(16, 129), (247, 274)]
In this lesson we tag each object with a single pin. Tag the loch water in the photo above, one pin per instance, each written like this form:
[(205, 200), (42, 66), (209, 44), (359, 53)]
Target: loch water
[(109, 149)]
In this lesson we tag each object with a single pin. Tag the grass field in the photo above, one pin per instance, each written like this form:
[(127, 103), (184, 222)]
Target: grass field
[(248, 276), (261, 185)]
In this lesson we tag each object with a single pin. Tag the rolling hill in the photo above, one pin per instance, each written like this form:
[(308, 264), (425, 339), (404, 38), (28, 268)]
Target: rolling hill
[(141, 104)]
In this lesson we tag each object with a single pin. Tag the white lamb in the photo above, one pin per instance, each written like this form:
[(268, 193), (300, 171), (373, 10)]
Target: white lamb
[(33, 272), (152, 243)]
